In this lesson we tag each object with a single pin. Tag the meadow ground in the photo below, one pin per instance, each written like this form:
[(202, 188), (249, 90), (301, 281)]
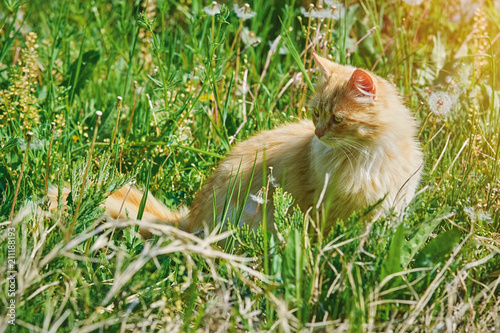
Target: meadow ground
[(196, 77)]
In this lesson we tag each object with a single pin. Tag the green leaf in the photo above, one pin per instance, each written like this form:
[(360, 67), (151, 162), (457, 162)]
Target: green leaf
[(81, 70), (392, 263), (144, 199), (293, 267), (438, 249), (411, 247)]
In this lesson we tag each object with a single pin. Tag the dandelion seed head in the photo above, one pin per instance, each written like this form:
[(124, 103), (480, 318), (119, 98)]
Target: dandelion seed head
[(244, 12), (213, 9), (440, 103), (271, 178), (249, 38), (413, 2), (257, 197), (329, 12), (476, 215)]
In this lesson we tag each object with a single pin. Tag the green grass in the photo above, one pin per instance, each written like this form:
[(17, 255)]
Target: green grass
[(191, 88)]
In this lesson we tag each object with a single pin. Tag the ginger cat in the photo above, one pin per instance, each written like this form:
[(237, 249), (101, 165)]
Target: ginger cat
[(361, 135)]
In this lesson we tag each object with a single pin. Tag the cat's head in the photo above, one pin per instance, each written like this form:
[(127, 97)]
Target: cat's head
[(350, 104)]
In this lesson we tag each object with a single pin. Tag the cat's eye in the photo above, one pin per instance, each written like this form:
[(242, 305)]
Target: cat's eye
[(316, 113), (337, 119)]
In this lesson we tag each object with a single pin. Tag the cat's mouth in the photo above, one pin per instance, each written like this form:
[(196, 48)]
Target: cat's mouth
[(329, 141)]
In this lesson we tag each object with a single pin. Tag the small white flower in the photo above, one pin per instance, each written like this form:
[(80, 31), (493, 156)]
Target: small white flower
[(333, 11), (413, 2), (273, 46), (257, 197), (35, 143), (477, 215), (243, 88), (213, 9), (440, 103), (283, 49), (244, 12), (271, 178), (249, 38)]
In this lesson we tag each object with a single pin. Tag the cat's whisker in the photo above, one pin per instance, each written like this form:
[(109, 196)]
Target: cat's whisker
[(357, 147), (350, 162), (354, 143)]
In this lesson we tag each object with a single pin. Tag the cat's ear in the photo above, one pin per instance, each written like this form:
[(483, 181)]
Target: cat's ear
[(327, 67), (362, 84)]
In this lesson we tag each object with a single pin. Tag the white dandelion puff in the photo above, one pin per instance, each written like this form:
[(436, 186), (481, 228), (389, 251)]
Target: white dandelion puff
[(258, 198), (35, 143), (271, 178), (243, 88), (244, 12), (477, 215), (273, 46), (333, 11), (249, 38), (440, 103), (213, 9), (414, 2)]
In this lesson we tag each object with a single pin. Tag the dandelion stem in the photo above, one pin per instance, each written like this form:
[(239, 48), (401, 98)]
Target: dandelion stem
[(311, 6), (118, 107), (265, 184), (85, 173), (52, 127), (29, 137)]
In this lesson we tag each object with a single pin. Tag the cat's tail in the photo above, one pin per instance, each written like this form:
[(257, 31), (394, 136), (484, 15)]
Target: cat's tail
[(124, 204)]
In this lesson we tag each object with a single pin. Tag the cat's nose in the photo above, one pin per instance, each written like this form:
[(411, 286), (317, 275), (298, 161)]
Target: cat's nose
[(319, 134)]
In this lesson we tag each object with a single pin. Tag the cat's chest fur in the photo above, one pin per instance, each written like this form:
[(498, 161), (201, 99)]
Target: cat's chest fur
[(357, 179)]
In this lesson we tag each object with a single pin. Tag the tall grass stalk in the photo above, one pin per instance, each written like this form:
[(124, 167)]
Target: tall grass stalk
[(29, 137), (52, 128)]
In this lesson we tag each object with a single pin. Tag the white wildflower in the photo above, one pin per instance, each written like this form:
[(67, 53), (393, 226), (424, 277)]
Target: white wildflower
[(273, 45), (243, 89), (35, 143), (213, 9), (477, 215), (271, 178), (283, 49), (258, 197), (440, 103), (249, 38), (244, 12), (413, 2), (333, 11)]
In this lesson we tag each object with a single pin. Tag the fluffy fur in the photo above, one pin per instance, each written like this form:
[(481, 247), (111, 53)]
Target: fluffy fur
[(361, 135)]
